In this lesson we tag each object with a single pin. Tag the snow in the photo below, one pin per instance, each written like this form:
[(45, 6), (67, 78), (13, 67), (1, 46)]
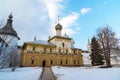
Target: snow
[(26, 73), (63, 73), (84, 73)]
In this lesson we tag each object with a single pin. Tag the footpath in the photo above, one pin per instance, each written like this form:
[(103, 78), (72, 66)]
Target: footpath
[(47, 74)]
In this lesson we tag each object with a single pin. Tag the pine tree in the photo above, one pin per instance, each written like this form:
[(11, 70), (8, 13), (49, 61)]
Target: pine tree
[(96, 53)]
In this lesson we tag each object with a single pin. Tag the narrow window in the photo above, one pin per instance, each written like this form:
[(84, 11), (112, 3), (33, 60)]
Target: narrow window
[(33, 48), (51, 61), (74, 51), (63, 44), (61, 62), (59, 50), (32, 62), (66, 51), (50, 49), (44, 49)]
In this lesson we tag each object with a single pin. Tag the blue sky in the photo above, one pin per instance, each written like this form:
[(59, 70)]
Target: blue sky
[(79, 18)]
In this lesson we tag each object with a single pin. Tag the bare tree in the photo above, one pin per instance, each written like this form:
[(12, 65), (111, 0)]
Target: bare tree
[(107, 41)]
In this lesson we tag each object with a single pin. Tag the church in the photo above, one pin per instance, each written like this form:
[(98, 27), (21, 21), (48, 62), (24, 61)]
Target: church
[(58, 50)]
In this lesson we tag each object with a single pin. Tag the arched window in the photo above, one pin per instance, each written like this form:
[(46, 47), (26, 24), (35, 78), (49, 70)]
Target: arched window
[(32, 61), (74, 51), (45, 50), (66, 50), (63, 45), (59, 50), (61, 62), (33, 48), (51, 62), (50, 49)]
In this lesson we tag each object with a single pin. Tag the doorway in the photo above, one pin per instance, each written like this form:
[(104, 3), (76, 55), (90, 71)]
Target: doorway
[(43, 63)]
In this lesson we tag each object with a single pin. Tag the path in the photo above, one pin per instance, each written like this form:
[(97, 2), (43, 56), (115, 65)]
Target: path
[(47, 74)]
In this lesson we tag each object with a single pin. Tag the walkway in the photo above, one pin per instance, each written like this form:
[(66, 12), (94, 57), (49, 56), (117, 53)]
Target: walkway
[(47, 74)]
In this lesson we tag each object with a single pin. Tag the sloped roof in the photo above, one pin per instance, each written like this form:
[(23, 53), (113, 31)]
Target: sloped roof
[(8, 29), (61, 37), (42, 42)]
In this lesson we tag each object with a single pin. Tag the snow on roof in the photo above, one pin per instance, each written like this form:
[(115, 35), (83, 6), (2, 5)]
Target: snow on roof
[(42, 42)]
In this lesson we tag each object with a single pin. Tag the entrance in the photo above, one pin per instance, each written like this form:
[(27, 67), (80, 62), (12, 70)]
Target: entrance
[(43, 64)]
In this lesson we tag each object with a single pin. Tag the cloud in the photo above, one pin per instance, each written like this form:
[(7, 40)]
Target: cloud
[(68, 22), (37, 18), (54, 8), (85, 10)]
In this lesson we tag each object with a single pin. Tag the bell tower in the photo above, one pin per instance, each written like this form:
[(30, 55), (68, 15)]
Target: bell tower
[(8, 34)]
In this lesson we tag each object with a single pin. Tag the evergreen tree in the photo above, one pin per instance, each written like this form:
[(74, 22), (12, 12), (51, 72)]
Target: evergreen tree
[(96, 53)]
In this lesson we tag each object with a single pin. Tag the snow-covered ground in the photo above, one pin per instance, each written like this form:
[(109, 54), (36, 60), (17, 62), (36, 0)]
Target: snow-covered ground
[(63, 73), (82, 73), (26, 73)]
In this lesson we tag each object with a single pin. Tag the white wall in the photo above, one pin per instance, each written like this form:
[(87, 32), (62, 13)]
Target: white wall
[(10, 40), (86, 58)]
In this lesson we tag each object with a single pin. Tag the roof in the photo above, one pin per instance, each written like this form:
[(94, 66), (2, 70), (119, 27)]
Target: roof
[(85, 51), (75, 48), (41, 42), (62, 37), (8, 29)]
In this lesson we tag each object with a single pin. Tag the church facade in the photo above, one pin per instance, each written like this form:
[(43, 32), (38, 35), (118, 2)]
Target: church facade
[(58, 50)]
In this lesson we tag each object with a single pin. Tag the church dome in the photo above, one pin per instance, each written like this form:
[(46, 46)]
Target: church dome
[(58, 27), (8, 29)]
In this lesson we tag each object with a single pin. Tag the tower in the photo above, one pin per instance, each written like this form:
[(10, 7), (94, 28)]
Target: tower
[(58, 28), (8, 34), (89, 46)]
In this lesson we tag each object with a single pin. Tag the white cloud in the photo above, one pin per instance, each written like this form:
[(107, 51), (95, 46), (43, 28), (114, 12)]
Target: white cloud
[(37, 18), (54, 8), (85, 10), (68, 22)]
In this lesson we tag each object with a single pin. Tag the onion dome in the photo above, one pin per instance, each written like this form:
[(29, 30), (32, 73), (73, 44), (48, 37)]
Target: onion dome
[(58, 27), (8, 29)]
